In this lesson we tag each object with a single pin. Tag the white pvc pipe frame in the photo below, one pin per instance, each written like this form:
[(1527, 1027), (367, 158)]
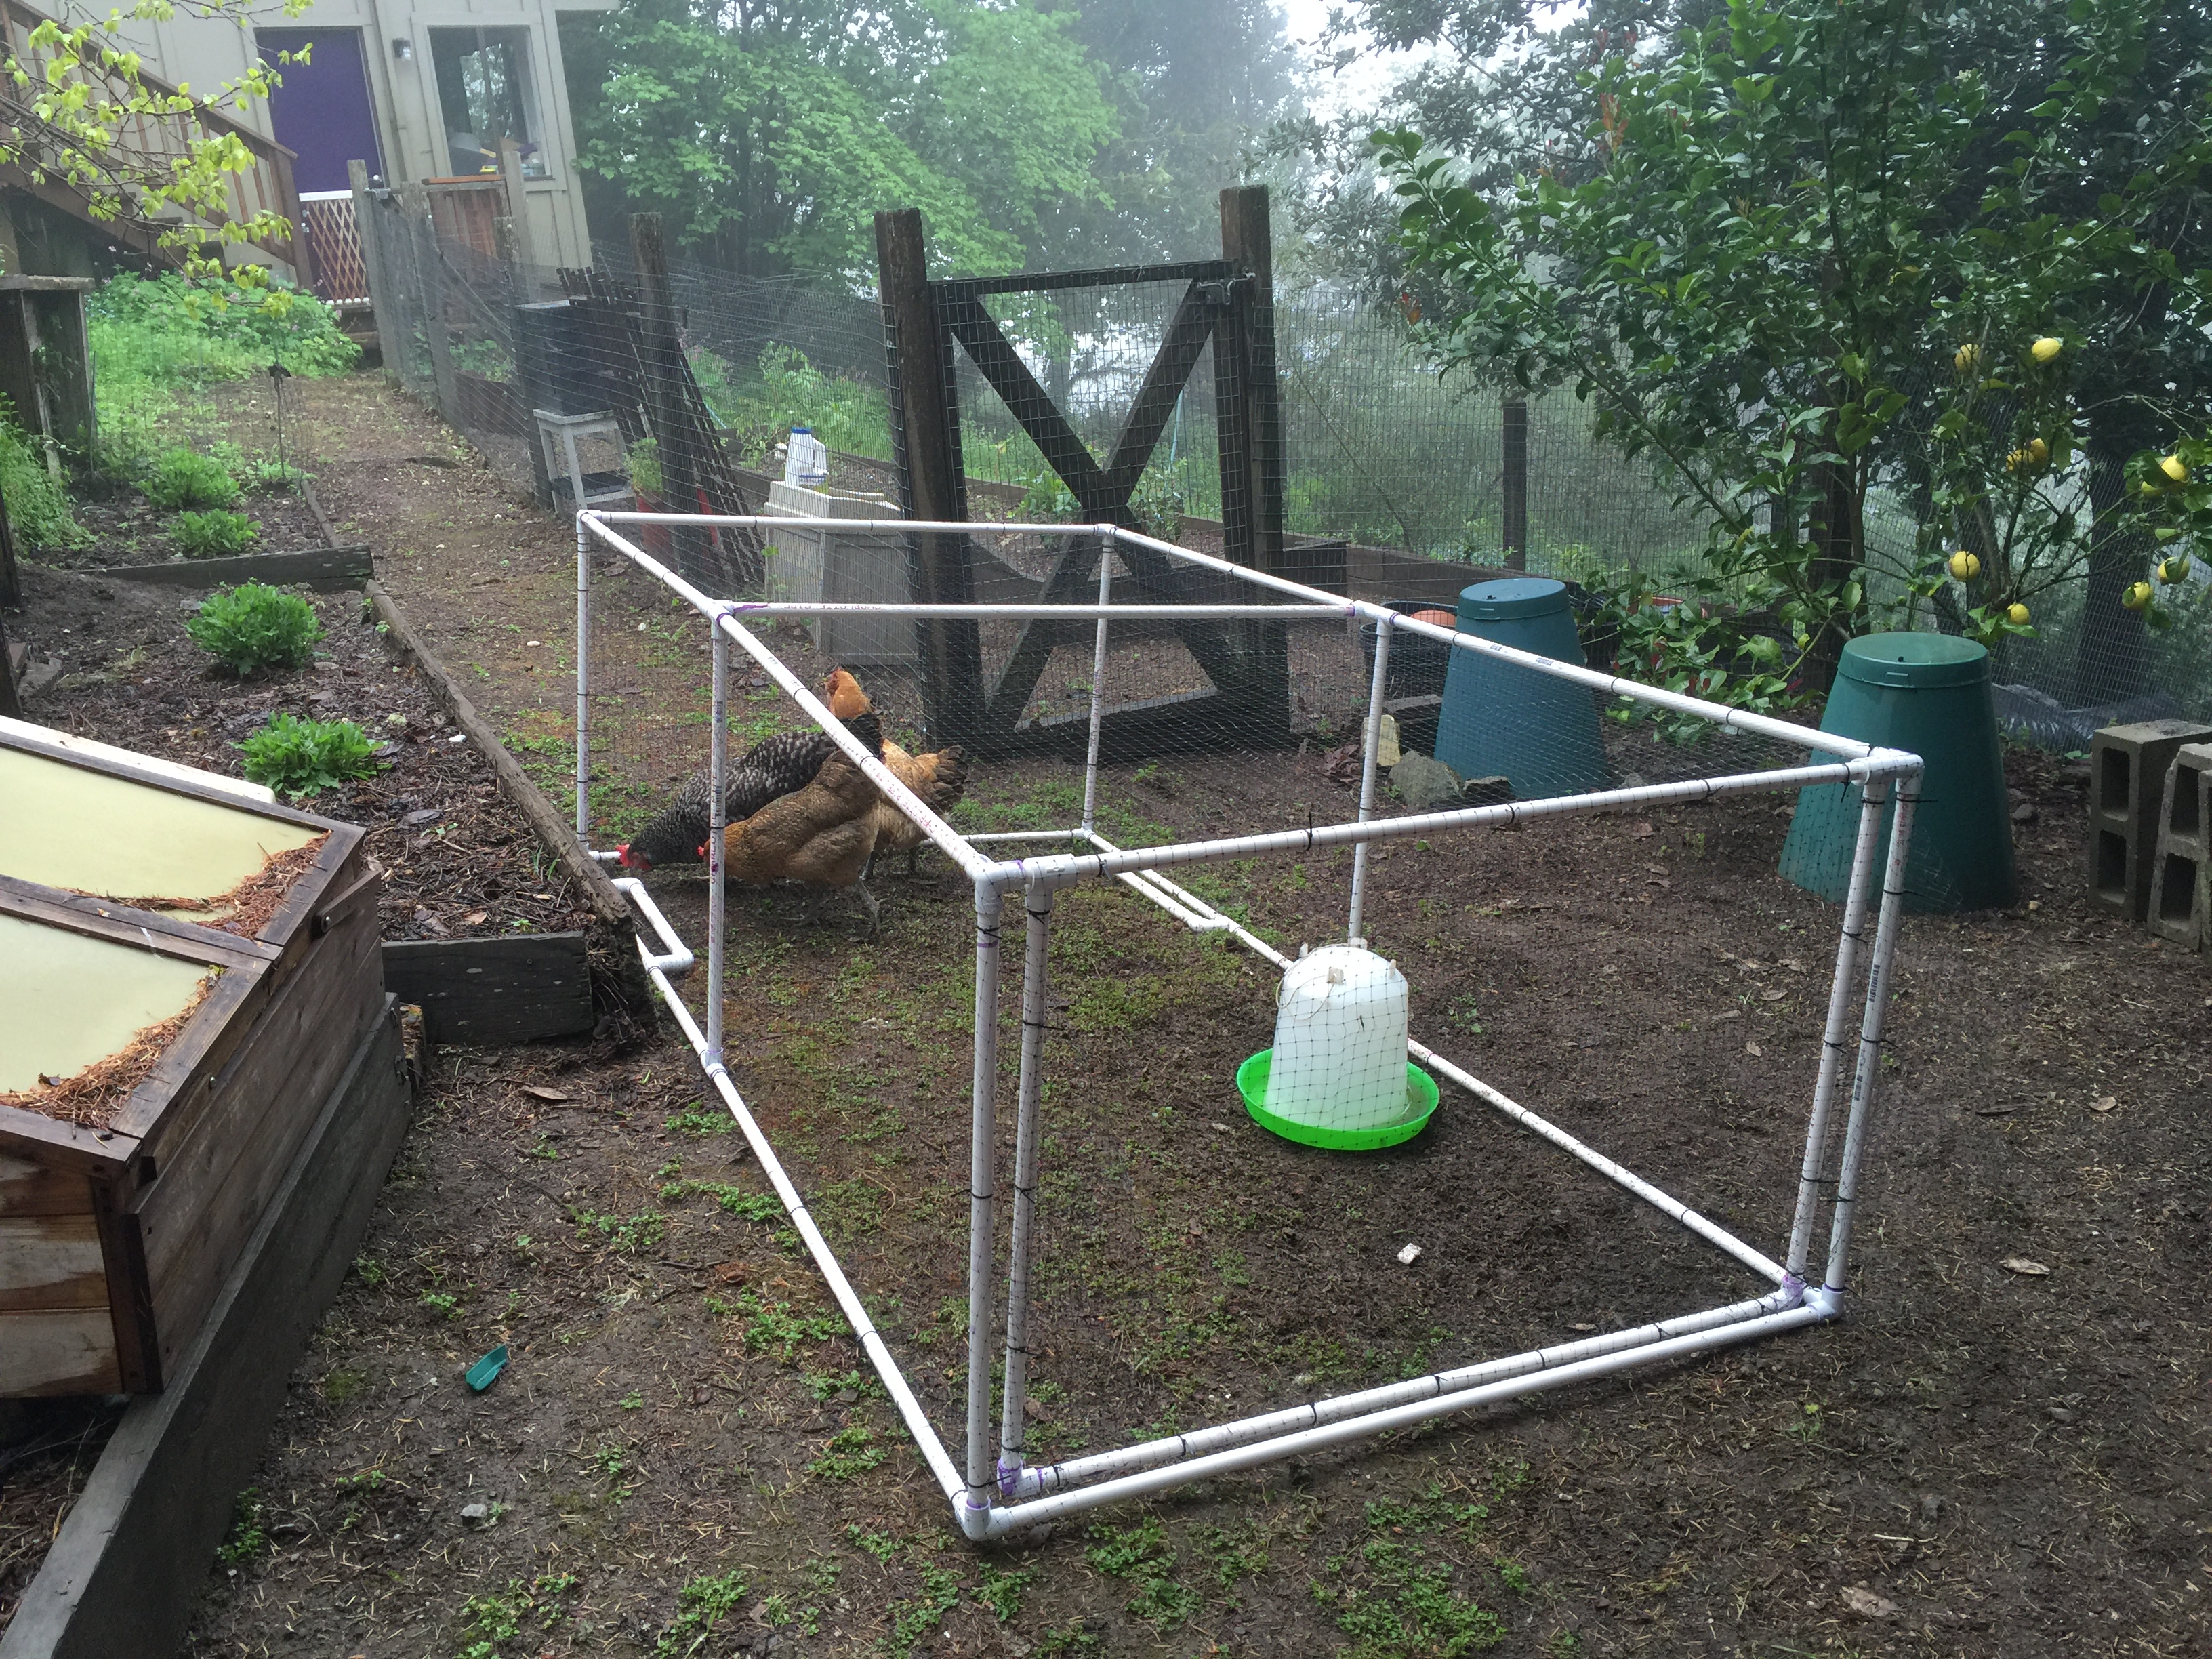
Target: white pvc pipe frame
[(994, 1496)]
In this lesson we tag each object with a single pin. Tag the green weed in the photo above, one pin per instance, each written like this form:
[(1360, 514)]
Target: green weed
[(630, 1235), (246, 1541), (851, 1452), (494, 1620), (913, 1620), (1141, 1555), (185, 478), (702, 1607), (1001, 1590)]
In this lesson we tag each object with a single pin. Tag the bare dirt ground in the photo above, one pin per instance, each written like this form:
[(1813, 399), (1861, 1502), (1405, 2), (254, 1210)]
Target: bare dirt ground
[(685, 1456)]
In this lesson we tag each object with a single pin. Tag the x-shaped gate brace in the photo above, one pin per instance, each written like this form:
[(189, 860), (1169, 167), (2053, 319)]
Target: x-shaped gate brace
[(1248, 669)]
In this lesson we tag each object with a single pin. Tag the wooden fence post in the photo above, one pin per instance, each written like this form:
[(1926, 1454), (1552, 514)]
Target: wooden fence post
[(1252, 445), (1515, 483), (518, 210), (422, 229), (924, 436), (666, 409), (383, 304)]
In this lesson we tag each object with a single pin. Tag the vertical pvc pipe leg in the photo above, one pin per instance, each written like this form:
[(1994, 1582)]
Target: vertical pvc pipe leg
[(1098, 685), (718, 762), (1368, 767), (583, 682), (1874, 798), (1038, 905), (982, 1476), (1865, 1081)]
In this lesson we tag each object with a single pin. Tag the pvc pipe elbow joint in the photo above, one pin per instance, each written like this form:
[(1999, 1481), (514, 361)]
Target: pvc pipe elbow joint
[(1826, 1302)]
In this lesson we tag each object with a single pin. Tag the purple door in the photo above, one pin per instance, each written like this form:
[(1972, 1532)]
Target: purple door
[(322, 112)]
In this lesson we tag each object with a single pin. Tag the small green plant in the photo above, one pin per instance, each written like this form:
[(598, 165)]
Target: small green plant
[(252, 628), (246, 1541), (368, 1270), (214, 534), (1142, 1555), (441, 1303), (633, 1402), (268, 475), (298, 757), (851, 1452), (184, 478), (695, 1119), (1001, 1591), (913, 1620), (493, 1620), (881, 1545), (631, 1235), (702, 1607)]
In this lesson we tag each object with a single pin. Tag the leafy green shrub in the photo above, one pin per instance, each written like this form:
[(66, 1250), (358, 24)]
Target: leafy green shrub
[(38, 507), (300, 758), (182, 479), (211, 535), (254, 626)]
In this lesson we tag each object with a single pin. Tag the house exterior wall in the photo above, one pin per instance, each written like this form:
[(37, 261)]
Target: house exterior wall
[(206, 52)]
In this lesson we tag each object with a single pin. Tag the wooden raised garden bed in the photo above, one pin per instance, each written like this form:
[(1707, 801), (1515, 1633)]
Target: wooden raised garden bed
[(183, 973)]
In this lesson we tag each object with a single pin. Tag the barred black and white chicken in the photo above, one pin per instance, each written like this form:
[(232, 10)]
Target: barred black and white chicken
[(782, 765)]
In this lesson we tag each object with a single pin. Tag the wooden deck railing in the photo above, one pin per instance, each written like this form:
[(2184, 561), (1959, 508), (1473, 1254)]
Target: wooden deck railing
[(267, 185)]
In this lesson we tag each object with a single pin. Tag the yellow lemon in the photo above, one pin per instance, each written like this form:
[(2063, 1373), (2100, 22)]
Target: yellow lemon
[(2046, 348), (2174, 569), (1964, 566), (2038, 451), (2136, 596), (2017, 616), (2174, 468), (1966, 358), (2014, 461)]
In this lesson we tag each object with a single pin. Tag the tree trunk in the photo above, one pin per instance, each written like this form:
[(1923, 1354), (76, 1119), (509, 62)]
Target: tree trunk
[(2111, 659), (1834, 530)]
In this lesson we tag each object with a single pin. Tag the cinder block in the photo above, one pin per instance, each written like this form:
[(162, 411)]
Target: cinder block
[(2127, 781), (2181, 884)]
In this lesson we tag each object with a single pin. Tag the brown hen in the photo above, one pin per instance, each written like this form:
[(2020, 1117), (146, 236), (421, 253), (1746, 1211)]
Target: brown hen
[(819, 836)]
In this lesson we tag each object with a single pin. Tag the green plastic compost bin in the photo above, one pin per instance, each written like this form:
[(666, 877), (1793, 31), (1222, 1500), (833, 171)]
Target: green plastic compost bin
[(1500, 720), (1928, 693)]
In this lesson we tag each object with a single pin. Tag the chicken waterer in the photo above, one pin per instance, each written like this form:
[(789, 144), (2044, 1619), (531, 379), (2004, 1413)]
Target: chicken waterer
[(1338, 1076)]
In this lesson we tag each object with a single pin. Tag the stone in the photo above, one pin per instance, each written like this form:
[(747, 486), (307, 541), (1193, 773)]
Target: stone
[(475, 1513), (1424, 784), (1486, 792)]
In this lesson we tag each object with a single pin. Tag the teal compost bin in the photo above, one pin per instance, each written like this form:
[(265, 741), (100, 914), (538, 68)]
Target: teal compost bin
[(1500, 720), (1928, 693)]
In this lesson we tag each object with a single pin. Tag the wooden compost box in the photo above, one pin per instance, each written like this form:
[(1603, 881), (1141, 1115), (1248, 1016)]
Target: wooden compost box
[(184, 971)]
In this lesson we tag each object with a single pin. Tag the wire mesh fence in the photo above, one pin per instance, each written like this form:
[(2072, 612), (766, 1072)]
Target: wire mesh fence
[(697, 377)]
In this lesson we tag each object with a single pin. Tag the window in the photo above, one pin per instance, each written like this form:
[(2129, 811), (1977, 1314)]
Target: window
[(486, 94)]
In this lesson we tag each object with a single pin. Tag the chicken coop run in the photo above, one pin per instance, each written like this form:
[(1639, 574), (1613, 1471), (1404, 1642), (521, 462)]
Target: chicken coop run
[(186, 973), (1163, 630)]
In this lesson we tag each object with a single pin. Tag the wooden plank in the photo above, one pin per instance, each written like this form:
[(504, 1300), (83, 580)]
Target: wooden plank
[(490, 991), (29, 1187), (214, 1181), (164, 935), (130, 1565), (70, 1350), (325, 569), (51, 1262), (925, 451), (42, 1140)]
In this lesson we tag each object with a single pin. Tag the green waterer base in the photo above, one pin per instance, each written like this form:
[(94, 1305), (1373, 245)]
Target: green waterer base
[(1420, 1097)]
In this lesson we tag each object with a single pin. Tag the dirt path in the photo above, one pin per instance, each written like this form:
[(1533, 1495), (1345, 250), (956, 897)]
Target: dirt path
[(684, 1458)]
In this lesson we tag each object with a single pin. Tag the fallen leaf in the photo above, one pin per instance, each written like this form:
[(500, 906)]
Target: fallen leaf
[(1993, 1111), (1639, 831), (539, 1091), (2025, 1266), (474, 919), (1859, 1599), (2104, 1103), (1753, 1050), (1410, 1255), (730, 1272), (1582, 1327), (1773, 994)]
